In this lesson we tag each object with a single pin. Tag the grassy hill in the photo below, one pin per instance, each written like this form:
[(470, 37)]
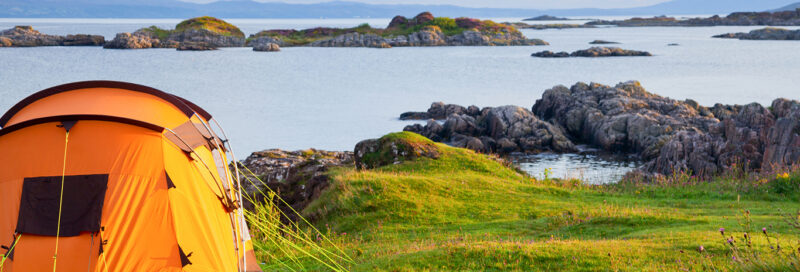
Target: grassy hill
[(468, 212)]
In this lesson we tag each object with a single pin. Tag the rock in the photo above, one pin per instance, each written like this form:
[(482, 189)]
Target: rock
[(265, 40), (593, 52), (439, 111), (195, 46), (353, 39), (298, 177), (393, 148), (398, 21), (5, 42), (674, 44), (26, 36), (468, 23), (268, 47), (550, 54), (779, 18), (423, 17), (608, 52), (205, 37), (624, 119), (602, 42), (783, 139), (130, 41), (546, 18), (769, 33), (525, 132)]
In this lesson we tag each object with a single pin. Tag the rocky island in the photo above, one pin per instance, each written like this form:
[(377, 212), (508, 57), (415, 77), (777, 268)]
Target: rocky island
[(594, 52), (670, 135), (778, 18), (201, 33), (546, 18), (769, 33), (520, 25), (26, 36), (421, 30)]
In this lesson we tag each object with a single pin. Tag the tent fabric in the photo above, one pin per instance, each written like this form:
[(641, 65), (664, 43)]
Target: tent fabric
[(134, 199)]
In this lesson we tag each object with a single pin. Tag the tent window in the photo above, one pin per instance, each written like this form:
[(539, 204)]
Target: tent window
[(81, 209)]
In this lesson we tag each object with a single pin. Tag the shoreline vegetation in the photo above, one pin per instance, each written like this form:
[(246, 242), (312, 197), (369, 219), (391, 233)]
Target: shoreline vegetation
[(405, 203), (441, 197), (208, 33)]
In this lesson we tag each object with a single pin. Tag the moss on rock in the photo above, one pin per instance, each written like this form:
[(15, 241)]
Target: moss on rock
[(394, 148)]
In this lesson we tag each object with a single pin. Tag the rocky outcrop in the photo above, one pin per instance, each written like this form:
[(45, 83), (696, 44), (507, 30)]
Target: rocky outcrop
[(195, 46), (769, 33), (495, 130), (669, 135), (132, 41), (264, 40), (781, 18), (298, 177), (26, 36), (268, 47), (545, 18), (354, 39), (594, 52), (603, 42), (202, 36), (521, 25), (440, 111), (393, 148)]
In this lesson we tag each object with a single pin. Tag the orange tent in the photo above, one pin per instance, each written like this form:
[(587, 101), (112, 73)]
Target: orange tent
[(113, 176)]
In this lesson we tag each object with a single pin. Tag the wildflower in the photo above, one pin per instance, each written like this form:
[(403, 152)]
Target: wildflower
[(730, 241), (701, 249), (764, 230), (745, 235), (722, 231)]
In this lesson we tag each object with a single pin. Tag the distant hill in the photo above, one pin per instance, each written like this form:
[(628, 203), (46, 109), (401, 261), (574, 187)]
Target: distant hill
[(791, 7), (338, 9)]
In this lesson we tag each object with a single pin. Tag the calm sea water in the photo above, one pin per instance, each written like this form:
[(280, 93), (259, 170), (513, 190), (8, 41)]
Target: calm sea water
[(331, 98)]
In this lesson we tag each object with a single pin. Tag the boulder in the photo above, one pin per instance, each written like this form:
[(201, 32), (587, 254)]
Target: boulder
[(195, 46), (131, 41), (393, 148), (298, 177), (26, 36), (550, 54), (609, 52), (353, 39), (440, 111), (268, 47), (783, 139)]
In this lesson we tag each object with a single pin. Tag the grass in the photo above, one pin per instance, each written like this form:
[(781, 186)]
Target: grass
[(468, 212), (211, 24)]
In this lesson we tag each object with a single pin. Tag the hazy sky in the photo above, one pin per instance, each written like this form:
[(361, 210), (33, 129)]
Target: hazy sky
[(533, 4)]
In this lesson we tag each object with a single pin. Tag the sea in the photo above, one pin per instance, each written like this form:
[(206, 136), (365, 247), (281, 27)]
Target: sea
[(332, 98)]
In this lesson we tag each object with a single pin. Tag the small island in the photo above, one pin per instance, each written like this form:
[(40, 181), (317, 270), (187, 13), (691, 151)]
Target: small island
[(769, 33), (201, 33), (421, 30), (594, 52), (26, 36), (546, 18), (603, 42), (778, 18)]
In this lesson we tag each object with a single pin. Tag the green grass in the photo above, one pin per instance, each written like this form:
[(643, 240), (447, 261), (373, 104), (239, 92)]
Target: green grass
[(468, 212), (211, 24)]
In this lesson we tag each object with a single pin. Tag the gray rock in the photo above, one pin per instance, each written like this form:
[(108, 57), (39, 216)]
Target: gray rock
[(353, 39), (26, 36), (769, 33), (268, 47), (196, 46)]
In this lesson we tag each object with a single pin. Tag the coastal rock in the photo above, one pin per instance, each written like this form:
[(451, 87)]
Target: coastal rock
[(26, 36), (440, 111), (550, 54), (268, 47), (783, 139), (779, 18), (298, 177), (264, 40), (609, 52), (624, 119), (195, 46), (354, 39), (500, 129), (603, 42), (769, 33), (594, 52), (393, 149), (131, 41), (206, 37), (545, 18)]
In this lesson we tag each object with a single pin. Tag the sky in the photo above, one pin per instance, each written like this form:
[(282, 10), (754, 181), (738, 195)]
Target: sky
[(528, 4)]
